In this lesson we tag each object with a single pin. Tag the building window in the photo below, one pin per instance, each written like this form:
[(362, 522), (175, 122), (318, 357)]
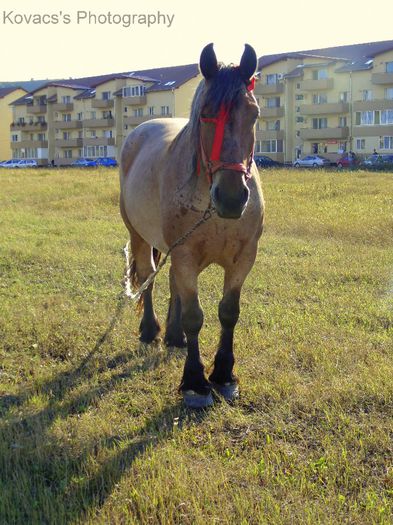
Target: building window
[(386, 143), (41, 136), (80, 134), (389, 67), (134, 91), (107, 114), (106, 95), (272, 125), (66, 99), (92, 134), (151, 110), (20, 120), (14, 138), (319, 98), (319, 74), (68, 154), (67, 117), (367, 118), (344, 96), (387, 116), (342, 122), (299, 97), (273, 102), (366, 94), (108, 133), (389, 93), (80, 116), (41, 120), (272, 79), (93, 115), (360, 144), (319, 123), (138, 112), (164, 110), (271, 146), (66, 135)]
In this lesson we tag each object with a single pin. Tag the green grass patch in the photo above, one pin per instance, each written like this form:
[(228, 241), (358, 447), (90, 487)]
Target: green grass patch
[(92, 429)]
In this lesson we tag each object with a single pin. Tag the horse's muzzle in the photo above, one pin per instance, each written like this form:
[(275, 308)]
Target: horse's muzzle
[(229, 206)]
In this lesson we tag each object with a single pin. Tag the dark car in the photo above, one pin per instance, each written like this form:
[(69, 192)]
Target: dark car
[(266, 162), (84, 163), (347, 160), (378, 162), (108, 162)]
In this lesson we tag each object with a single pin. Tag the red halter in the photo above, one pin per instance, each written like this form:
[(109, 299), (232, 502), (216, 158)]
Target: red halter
[(214, 164)]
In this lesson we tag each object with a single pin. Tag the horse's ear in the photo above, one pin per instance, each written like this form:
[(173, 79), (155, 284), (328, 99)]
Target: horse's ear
[(208, 62), (248, 63)]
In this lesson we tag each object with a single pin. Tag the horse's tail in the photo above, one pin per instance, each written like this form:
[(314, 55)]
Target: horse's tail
[(134, 278)]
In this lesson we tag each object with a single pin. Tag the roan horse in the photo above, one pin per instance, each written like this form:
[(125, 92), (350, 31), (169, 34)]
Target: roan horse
[(163, 195)]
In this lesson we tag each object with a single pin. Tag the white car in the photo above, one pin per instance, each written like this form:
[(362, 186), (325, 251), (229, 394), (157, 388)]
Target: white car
[(19, 163), (311, 161)]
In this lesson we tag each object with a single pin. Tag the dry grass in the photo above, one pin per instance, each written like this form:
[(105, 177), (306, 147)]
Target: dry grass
[(91, 426)]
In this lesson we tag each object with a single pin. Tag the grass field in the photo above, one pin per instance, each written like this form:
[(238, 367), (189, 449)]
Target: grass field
[(92, 429)]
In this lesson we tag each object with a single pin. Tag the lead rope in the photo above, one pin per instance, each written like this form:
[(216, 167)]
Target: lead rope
[(127, 277)]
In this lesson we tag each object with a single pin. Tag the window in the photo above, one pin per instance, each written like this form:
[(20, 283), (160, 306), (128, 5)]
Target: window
[(367, 118), (299, 119), (92, 134), (387, 116), (299, 97), (134, 91), (272, 79), (319, 98), (106, 95), (389, 67), (108, 133), (66, 117), (93, 115), (165, 110), (41, 136), (273, 102), (389, 93), (66, 99), (14, 138), (366, 94), (319, 123), (319, 74), (151, 110), (271, 146), (68, 154), (344, 96), (360, 144), (80, 136), (342, 122), (80, 116), (41, 120), (138, 112), (273, 125), (386, 143), (66, 135), (107, 114), (20, 120)]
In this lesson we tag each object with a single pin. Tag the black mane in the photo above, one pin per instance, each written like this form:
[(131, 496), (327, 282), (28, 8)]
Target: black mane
[(225, 88)]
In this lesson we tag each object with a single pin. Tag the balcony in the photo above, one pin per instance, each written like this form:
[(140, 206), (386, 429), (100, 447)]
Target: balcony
[(99, 123), (316, 85), (101, 103), (324, 109), (135, 101), (324, 133), (63, 107), (372, 131), (270, 135), (36, 126), (382, 78), (272, 112), (268, 89), (29, 144), (34, 110), (372, 105), (68, 124), (99, 141), (135, 121), (69, 143)]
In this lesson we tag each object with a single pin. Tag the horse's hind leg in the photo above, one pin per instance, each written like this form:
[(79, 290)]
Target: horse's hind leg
[(142, 254), (174, 335)]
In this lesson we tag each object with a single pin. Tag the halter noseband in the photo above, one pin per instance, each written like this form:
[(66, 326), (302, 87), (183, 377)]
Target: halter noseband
[(214, 164)]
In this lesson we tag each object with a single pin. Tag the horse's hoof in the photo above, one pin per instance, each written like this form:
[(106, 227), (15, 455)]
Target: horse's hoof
[(229, 391), (194, 400)]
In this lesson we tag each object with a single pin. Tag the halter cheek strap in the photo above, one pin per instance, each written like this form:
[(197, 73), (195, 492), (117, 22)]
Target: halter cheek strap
[(214, 164)]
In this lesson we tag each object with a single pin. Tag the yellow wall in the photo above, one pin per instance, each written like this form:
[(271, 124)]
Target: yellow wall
[(6, 119)]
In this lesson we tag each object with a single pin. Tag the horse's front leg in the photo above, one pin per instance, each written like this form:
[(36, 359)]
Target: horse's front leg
[(222, 377), (194, 385)]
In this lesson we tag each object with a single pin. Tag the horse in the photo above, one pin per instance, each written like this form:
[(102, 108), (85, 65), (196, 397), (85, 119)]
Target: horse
[(171, 172)]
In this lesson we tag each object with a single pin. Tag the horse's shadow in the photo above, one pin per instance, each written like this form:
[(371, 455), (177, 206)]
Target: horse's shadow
[(25, 437)]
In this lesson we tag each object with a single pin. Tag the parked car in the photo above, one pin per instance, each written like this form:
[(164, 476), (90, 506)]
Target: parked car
[(108, 162), (378, 162), (312, 161), (19, 163), (84, 163), (262, 161), (347, 160)]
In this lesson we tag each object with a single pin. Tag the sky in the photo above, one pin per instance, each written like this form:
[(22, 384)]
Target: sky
[(59, 45)]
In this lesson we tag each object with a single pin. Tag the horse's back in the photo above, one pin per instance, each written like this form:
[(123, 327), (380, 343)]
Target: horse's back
[(142, 156)]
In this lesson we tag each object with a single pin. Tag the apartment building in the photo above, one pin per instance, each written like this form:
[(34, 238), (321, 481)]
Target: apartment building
[(7, 95), (90, 117), (326, 101)]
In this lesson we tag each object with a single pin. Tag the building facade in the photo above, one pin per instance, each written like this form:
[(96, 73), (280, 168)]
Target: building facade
[(324, 101), (7, 95)]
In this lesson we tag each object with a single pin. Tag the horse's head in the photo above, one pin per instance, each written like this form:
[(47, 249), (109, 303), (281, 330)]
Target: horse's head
[(229, 111)]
